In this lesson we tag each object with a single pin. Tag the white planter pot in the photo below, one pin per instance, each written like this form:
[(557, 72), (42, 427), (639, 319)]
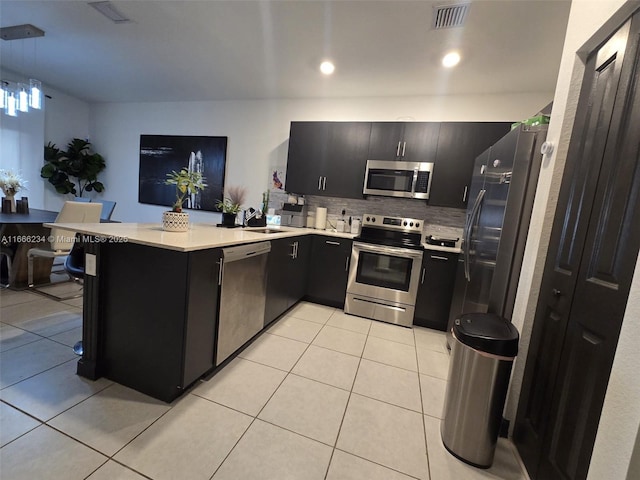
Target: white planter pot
[(175, 221)]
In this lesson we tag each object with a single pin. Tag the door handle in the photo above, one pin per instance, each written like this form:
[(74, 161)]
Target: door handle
[(398, 149), (319, 183), (464, 195), (438, 257), (329, 242), (404, 145), (422, 279), (293, 250), (324, 183), (346, 264), (556, 293), (221, 263)]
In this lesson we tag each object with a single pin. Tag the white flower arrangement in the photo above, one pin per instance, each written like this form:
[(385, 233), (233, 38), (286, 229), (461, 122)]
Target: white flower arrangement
[(11, 183)]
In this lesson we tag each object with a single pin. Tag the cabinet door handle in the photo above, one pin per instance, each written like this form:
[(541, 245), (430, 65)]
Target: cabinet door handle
[(329, 242), (293, 250), (438, 257), (464, 195), (346, 263), (324, 183), (422, 278), (319, 183), (404, 146), (221, 263), (398, 149)]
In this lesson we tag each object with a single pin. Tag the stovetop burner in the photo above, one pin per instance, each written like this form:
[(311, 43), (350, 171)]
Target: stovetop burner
[(391, 231)]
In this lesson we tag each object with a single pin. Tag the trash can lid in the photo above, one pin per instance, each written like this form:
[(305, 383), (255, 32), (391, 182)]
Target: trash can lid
[(488, 333)]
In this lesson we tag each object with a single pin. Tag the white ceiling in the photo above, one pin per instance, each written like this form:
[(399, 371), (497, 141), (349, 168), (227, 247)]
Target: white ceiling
[(218, 50)]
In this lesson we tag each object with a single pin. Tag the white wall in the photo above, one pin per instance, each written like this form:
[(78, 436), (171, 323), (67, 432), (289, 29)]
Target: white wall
[(66, 118), (257, 133), (589, 21)]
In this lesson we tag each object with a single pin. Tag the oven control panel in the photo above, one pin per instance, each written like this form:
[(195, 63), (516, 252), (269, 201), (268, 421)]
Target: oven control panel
[(392, 223)]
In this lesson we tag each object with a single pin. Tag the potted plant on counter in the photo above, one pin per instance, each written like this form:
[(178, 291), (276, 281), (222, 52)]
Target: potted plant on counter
[(230, 205), (187, 183)]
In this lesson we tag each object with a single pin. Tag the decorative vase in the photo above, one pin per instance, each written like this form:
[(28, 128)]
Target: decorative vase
[(175, 221), (12, 201), (228, 219)]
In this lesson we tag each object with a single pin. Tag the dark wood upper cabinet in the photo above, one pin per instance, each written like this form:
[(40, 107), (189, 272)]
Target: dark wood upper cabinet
[(405, 141), (327, 158), (458, 144)]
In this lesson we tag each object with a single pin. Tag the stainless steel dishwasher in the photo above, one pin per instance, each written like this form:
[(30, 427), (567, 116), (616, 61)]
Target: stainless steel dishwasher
[(242, 296)]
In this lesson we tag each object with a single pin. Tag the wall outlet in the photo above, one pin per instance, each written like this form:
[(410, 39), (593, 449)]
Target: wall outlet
[(90, 267)]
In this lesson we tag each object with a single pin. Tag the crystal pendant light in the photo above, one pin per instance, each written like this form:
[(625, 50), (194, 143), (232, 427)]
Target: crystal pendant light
[(35, 94), (3, 94), (23, 98), (10, 107)]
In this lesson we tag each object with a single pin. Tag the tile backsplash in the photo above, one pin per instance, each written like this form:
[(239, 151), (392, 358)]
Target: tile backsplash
[(397, 207)]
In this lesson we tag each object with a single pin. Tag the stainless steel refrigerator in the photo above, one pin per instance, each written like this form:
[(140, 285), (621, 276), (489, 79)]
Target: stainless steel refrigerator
[(497, 222)]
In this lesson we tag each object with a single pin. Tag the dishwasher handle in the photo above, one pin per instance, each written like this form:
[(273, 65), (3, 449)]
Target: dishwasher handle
[(240, 252)]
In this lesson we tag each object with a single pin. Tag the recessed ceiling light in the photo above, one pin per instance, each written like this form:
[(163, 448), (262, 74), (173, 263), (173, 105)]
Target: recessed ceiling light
[(451, 59), (327, 67)]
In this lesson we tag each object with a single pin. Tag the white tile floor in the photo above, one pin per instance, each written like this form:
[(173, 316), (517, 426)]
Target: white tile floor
[(321, 395)]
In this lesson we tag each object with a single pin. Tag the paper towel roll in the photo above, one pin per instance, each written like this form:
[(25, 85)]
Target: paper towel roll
[(321, 218)]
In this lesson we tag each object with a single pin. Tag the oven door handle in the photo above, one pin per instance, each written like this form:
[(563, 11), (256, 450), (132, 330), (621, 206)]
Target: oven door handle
[(383, 249)]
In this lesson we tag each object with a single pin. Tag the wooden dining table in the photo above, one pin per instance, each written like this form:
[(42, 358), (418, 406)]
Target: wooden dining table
[(20, 232)]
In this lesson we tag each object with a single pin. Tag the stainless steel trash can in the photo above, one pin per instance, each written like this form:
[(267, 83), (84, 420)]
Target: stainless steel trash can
[(482, 353)]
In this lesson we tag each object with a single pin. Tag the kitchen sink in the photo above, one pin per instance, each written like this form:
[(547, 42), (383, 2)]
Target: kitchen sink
[(266, 230)]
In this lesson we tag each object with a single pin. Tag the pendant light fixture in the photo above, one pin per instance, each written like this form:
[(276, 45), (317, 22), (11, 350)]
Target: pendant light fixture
[(19, 97)]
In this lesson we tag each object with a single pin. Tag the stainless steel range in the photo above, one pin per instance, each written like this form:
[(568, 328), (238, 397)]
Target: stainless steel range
[(386, 261)]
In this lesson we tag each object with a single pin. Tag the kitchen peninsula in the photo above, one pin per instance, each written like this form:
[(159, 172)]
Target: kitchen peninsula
[(152, 298)]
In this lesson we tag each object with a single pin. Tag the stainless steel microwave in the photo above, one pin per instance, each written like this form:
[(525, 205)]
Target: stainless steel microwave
[(398, 179)]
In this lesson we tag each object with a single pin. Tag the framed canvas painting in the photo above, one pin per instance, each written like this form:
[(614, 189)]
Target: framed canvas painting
[(161, 154)]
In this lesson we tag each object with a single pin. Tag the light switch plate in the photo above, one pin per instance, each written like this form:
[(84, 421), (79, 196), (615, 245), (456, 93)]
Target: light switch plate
[(90, 264)]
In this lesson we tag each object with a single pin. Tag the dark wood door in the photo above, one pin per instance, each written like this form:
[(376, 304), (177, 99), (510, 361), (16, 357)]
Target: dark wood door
[(436, 289), (385, 142), (420, 141), (459, 143), (306, 157), (591, 260), (346, 160), (329, 270), (279, 265), (203, 293), (297, 283)]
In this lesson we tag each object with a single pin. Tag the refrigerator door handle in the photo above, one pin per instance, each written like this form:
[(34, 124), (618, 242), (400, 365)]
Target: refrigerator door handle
[(469, 229)]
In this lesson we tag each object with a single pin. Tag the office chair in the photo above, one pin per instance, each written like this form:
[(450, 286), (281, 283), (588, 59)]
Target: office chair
[(108, 207), (63, 240)]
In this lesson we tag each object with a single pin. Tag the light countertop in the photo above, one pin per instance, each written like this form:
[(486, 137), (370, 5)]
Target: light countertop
[(200, 236)]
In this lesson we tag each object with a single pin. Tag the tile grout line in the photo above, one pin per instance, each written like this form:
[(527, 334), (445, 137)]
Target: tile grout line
[(266, 403), (344, 414)]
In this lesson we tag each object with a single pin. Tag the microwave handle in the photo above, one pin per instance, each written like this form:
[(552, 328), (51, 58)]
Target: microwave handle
[(415, 182)]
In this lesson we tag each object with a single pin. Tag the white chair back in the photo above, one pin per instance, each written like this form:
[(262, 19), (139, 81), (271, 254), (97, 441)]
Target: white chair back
[(73, 212)]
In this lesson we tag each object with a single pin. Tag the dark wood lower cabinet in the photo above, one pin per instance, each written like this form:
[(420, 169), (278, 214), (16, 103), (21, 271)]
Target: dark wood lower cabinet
[(329, 270), (158, 316), (437, 280), (590, 264), (286, 275)]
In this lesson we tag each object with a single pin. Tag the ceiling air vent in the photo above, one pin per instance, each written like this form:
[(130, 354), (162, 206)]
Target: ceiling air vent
[(448, 16)]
